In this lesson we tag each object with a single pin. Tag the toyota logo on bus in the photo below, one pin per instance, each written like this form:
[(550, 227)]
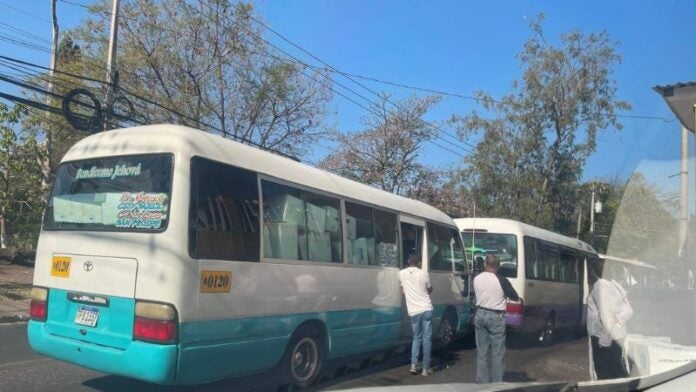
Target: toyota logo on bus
[(88, 265)]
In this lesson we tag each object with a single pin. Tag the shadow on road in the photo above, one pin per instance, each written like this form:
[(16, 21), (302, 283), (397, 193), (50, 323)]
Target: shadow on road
[(335, 372), (517, 377), (357, 369), (517, 341)]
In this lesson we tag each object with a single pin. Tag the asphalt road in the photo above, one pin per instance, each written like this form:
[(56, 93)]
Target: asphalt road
[(23, 370)]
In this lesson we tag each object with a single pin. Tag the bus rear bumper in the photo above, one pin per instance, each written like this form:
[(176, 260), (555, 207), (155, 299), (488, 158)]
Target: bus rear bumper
[(144, 361)]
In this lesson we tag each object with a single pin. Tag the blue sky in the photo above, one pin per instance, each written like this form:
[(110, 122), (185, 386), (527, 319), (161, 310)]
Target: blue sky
[(463, 46)]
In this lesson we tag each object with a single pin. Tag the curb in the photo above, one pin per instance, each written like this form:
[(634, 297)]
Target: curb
[(14, 318)]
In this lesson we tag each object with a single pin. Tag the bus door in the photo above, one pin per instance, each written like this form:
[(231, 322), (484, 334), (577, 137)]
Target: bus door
[(411, 242)]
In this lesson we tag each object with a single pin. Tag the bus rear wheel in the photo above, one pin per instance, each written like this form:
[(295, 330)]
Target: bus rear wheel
[(303, 358), (546, 337)]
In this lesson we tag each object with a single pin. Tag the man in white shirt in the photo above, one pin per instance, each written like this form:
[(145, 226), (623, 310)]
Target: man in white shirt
[(608, 311), (415, 284), (491, 291)]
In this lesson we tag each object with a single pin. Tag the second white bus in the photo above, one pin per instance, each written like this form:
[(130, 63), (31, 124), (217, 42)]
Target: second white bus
[(548, 271)]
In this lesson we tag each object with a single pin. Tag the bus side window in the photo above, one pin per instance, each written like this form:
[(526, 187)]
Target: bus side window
[(530, 257), (300, 225), (568, 266), (371, 236), (224, 217), (443, 245)]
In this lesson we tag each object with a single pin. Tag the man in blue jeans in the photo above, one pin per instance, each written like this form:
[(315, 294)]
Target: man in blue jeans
[(415, 284), (491, 291)]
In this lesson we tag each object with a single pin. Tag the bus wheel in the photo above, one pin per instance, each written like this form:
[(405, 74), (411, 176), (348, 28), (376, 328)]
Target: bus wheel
[(446, 331), (546, 336), (303, 358)]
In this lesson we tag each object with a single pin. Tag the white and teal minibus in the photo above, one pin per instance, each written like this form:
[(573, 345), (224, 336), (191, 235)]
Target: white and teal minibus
[(176, 256)]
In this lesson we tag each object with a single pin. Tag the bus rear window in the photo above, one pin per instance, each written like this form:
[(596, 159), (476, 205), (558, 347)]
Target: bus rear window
[(129, 193)]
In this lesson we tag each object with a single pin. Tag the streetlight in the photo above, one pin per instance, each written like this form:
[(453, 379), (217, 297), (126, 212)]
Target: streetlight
[(681, 99)]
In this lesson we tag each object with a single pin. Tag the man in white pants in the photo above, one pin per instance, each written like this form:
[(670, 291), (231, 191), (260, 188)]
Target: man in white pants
[(415, 284)]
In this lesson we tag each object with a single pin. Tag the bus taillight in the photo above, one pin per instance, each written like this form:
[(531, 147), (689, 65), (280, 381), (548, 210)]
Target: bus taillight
[(515, 307), (514, 314), (38, 307), (155, 322)]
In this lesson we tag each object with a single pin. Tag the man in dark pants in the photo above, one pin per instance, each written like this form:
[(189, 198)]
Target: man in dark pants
[(491, 292)]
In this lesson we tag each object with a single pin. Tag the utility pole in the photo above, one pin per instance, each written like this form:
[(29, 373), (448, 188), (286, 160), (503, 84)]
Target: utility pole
[(48, 163), (111, 59), (683, 188), (592, 211)]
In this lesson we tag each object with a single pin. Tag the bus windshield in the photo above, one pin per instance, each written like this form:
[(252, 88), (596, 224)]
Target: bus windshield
[(478, 245), (129, 193)]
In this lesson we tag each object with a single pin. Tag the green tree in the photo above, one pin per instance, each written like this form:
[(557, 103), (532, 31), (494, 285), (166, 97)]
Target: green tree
[(645, 227), (608, 192), (52, 128), (533, 143), (21, 175), (386, 153)]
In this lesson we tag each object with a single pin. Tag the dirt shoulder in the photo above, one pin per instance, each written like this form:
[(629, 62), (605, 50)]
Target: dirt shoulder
[(15, 289)]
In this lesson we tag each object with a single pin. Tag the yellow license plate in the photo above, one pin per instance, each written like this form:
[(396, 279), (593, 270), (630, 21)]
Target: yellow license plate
[(60, 266), (216, 281)]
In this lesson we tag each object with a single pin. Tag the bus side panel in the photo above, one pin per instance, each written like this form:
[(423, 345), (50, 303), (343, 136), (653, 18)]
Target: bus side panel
[(244, 346), (246, 329), (545, 297)]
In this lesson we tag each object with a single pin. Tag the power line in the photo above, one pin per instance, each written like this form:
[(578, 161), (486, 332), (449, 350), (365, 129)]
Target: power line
[(26, 33), (24, 12), (339, 72), (352, 76), (430, 90), (149, 101), (301, 63), (25, 44), (346, 75)]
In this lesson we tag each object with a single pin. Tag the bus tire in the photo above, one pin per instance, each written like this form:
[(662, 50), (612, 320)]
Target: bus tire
[(447, 330), (304, 356), (547, 331)]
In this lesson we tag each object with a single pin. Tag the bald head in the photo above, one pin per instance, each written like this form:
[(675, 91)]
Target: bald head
[(492, 263)]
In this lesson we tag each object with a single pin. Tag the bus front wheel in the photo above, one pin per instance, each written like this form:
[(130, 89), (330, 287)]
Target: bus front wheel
[(303, 358)]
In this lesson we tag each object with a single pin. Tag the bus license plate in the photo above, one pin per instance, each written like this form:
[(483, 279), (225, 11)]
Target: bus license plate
[(87, 316)]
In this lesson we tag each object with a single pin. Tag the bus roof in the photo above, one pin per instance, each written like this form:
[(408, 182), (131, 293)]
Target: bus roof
[(499, 225), (187, 142)]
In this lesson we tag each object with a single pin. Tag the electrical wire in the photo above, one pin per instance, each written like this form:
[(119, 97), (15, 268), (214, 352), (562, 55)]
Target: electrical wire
[(296, 61)]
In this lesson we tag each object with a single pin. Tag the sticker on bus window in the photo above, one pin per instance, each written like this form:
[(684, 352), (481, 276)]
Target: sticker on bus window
[(216, 281), (60, 266), (141, 210)]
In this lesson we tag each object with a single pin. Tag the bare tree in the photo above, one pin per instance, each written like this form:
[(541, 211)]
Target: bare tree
[(208, 62), (386, 153)]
